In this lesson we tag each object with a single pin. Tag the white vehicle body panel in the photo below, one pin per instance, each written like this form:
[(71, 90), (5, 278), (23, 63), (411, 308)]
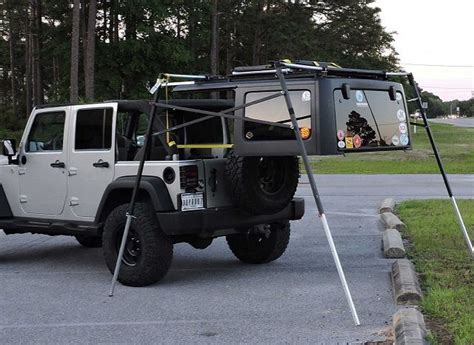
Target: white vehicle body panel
[(86, 183), (43, 188)]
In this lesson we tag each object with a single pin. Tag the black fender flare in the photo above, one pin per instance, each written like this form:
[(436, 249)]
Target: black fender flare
[(153, 186), (5, 210)]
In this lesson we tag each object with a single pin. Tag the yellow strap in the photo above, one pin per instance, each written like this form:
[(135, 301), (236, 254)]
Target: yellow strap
[(171, 143), (205, 146)]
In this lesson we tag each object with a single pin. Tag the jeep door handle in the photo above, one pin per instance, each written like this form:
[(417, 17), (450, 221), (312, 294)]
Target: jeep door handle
[(58, 164), (101, 164)]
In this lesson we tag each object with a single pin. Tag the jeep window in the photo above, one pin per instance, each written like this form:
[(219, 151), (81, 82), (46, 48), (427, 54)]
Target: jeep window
[(275, 110), (370, 119), (47, 132), (94, 129)]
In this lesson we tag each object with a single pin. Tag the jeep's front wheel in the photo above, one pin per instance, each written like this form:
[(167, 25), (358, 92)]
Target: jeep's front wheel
[(260, 244), (148, 252)]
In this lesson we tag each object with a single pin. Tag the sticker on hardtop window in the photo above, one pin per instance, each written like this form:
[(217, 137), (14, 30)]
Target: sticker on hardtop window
[(349, 143), (306, 96), (399, 96), (357, 141), (401, 115), (340, 134), (341, 144), (404, 139), (403, 128), (395, 140), (360, 102)]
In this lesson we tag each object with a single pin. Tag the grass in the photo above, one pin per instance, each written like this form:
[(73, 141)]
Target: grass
[(456, 147), (445, 266)]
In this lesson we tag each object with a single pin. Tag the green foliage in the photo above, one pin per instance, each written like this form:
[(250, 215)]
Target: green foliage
[(138, 39), (446, 268), (456, 146)]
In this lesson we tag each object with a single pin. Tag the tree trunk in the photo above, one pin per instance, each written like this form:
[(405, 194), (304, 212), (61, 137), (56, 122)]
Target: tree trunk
[(28, 59), (38, 96), (74, 87), (83, 35), (116, 37), (11, 44), (215, 38), (257, 39), (90, 53)]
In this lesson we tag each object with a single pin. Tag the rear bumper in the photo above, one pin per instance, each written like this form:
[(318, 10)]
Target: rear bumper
[(209, 220)]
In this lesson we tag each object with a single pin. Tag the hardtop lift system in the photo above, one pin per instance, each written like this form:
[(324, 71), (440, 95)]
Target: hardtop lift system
[(279, 69)]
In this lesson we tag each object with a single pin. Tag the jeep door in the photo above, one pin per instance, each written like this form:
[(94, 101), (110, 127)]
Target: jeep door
[(42, 163), (92, 156)]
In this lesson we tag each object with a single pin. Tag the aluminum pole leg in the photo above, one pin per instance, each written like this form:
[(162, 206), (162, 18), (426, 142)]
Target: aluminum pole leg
[(120, 254), (462, 226), (315, 192), (411, 79)]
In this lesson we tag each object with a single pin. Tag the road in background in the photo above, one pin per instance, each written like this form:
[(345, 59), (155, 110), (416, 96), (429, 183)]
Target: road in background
[(55, 291), (461, 122)]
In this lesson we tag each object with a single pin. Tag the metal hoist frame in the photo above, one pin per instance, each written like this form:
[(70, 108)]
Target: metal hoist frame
[(280, 69)]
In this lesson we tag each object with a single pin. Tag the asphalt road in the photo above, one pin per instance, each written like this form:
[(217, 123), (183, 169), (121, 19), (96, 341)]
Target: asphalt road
[(462, 122), (54, 291)]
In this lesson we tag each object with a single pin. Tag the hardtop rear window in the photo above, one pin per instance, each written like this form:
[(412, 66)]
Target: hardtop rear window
[(369, 119)]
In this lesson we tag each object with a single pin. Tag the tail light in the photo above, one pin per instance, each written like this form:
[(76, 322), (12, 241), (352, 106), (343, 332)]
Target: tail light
[(305, 132), (189, 176)]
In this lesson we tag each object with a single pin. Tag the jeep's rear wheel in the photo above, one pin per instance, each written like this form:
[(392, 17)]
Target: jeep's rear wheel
[(89, 241), (262, 185), (260, 244), (148, 252)]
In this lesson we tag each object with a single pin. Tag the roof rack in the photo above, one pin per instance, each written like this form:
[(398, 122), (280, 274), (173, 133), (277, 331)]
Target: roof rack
[(309, 68)]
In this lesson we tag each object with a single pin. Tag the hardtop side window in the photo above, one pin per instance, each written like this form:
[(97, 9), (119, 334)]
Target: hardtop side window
[(94, 129), (47, 132), (275, 110)]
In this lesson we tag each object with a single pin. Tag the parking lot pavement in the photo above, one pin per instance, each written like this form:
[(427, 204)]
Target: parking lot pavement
[(54, 291)]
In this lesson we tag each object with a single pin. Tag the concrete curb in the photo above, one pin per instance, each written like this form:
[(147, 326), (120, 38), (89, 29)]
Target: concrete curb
[(409, 326), (387, 205), (391, 221), (406, 288), (393, 247)]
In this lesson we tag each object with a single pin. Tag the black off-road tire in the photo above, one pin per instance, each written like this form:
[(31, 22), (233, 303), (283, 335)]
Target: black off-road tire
[(149, 252), (262, 185), (89, 241), (256, 248)]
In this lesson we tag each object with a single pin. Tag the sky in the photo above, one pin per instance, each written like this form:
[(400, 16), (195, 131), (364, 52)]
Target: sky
[(434, 33)]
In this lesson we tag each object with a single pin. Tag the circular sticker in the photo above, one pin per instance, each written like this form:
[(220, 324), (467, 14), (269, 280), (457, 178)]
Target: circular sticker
[(399, 96), (306, 96), (401, 115), (404, 139), (341, 144), (359, 96), (402, 127), (357, 141), (395, 140), (340, 134)]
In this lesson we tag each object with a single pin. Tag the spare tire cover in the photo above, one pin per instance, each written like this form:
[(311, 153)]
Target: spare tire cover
[(262, 185)]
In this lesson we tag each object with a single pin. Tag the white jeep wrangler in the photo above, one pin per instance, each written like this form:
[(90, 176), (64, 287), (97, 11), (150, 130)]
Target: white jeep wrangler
[(75, 170)]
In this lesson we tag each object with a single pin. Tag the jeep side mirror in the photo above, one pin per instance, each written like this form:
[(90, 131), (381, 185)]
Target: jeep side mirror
[(9, 148)]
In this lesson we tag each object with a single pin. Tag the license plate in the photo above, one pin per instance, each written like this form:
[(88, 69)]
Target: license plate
[(192, 201)]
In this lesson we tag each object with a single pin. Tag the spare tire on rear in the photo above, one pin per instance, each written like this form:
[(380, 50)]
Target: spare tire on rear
[(262, 185)]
